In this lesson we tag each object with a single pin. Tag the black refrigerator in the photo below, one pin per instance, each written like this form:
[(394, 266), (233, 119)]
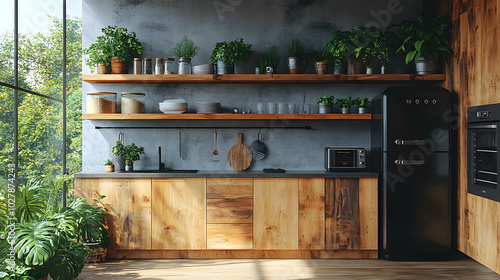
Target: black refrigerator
[(411, 142)]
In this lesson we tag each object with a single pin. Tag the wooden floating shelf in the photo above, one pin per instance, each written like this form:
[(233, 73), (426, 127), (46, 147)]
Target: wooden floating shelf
[(159, 116), (264, 78)]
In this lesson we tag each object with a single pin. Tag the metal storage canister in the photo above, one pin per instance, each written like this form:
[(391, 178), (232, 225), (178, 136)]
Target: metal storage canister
[(148, 68), (101, 102), (133, 103), (169, 65), (137, 65)]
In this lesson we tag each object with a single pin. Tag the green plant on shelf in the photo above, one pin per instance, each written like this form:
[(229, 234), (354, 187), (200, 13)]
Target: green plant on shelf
[(323, 55), (362, 102), (230, 52), (296, 49), (185, 48), (345, 102), (130, 152), (108, 162), (270, 58), (326, 99)]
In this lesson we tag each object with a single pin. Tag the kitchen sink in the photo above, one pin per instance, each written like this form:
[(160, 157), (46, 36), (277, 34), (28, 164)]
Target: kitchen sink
[(168, 171)]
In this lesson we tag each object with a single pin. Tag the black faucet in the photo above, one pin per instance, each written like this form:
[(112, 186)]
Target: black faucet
[(161, 165)]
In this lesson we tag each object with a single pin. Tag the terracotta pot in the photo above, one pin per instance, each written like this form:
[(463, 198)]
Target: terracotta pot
[(103, 69), (355, 65), (321, 67), (109, 168), (118, 66)]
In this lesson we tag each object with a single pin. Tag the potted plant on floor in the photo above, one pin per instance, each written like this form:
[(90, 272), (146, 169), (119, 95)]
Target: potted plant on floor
[(345, 104), (321, 58), (362, 104), (426, 44), (225, 54), (296, 63), (100, 54), (270, 60), (109, 166), (130, 152), (122, 45), (185, 50), (325, 104)]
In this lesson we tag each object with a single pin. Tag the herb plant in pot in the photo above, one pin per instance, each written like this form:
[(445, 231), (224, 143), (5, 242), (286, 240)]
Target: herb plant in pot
[(185, 50), (225, 54), (362, 104), (270, 60), (338, 50), (99, 55), (321, 58), (325, 104), (122, 46), (376, 50), (426, 44), (296, 64), (130, 152), (109, 166), (345, 104)]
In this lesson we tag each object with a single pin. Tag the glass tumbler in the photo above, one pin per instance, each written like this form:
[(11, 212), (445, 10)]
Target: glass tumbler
[(291, 108), (271, 108), (307, 108), (299, 108), (260, 108), (281, 108)]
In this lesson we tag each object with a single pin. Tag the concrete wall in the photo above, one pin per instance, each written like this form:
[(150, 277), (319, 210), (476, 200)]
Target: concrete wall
[(160, 24)]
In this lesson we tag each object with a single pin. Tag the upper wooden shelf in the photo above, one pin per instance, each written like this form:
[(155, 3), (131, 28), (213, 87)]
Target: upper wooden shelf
[(264, 78), (159, 116)]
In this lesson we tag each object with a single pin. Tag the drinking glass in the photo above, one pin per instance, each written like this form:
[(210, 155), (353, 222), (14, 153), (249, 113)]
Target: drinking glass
[(281, 108), (260, 108), (291, 108), (307, 108), (299, 108), (271, 108)]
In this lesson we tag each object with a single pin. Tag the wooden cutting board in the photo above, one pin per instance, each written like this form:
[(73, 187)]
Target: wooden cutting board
[(239, 156)]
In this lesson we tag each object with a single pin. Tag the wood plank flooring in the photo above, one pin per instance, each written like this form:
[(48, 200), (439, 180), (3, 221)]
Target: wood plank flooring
[(459, 268)]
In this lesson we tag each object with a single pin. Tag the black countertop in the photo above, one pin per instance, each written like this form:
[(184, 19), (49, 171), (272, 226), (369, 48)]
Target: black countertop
[(229, 174)]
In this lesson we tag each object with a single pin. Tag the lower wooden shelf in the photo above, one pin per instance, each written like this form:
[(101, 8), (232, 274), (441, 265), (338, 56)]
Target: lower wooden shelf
[(159, 116)]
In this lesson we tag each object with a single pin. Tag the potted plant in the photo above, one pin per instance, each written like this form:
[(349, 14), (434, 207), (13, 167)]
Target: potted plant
[(376, 50), (270, 60), (225, 55), (296, 63), (109, 166), (130, 152), (185, 50), (325, 104), (100, 54), (345, 104), (395, 35), (362, 104), (321, 58), (338, 50), (120, 44), (426, 43)]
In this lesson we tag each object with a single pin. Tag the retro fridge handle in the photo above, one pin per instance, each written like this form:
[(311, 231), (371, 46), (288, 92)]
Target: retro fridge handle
[(409, 162), (401, 142)]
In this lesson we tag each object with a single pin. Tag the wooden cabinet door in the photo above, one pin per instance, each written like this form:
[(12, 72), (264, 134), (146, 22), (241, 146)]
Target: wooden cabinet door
[(179, 213), (312, 213), (276, 213), (128, 202), (351, 214)]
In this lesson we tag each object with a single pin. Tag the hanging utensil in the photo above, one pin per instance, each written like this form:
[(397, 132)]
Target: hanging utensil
[(239, 157), (258, 148), (215, 154)]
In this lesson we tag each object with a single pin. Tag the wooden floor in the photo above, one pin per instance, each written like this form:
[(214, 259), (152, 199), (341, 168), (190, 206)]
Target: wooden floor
[(459, 268)]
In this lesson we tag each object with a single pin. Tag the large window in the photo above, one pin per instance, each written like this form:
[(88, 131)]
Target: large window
[(40, 90)]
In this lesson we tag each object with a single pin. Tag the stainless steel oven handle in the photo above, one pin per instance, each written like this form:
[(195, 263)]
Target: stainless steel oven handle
[(401, 142), (409, 162), (484, 126)]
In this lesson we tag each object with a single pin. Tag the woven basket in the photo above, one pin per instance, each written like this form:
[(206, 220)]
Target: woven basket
[(96, 253)]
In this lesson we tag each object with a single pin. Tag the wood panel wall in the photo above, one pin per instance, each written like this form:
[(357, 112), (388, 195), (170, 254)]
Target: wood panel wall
[(473, 75)]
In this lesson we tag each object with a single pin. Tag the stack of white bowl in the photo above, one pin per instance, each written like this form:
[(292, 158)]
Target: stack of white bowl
[(207, 107), (203, 69), (173, 106)]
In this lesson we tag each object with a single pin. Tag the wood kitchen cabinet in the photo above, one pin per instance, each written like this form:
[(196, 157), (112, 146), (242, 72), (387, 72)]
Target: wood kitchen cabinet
[(179, 213), (128, 202)]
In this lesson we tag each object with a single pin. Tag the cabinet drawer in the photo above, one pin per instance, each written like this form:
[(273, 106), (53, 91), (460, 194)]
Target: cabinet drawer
[(229, 236), (225, 211), (229, 188)]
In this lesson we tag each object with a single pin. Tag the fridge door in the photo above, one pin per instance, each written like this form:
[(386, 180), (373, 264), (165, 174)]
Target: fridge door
[(416, 214), (416, 117)]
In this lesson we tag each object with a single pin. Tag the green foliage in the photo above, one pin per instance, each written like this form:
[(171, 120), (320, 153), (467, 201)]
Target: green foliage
[(36, 242), (185, 48), (270, 58), (376, 47), (338, 45), (108, 162), (362, 102), (130, 152), (230, 52), (115, 42), (325, 99), (425, 37), (323, 55), (345, 102), (296, 49)]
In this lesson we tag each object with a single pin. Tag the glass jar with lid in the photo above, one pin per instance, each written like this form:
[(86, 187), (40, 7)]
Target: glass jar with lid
[(159, 67), (132, 102), (148, 69), (169, 65), (184, 65), (137, 65), (101, 102)]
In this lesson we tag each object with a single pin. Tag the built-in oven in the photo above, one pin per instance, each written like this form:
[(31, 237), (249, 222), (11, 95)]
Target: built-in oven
[(483, 161)]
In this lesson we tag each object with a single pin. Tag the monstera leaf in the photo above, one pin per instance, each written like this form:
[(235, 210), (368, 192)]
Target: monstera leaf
[(36, 242), (67, 263), (29, 206)]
